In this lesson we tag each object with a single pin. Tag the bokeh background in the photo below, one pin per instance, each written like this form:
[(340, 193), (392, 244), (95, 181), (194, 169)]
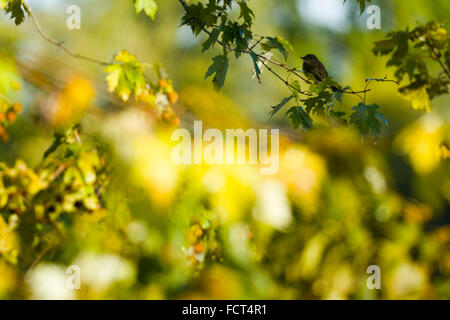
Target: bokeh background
[(338, 204)]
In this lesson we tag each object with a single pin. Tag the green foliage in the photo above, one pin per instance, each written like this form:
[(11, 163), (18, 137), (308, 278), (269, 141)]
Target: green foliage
[(233, 35), (277, 108), (246, 13), (199, 17), (283, 46), (212, 39), (256, 67), (237, 37), (409, 53), (367, 119), (299, 116), (17, 10), (126, 77), (324, 96), (219, 69), (69, 181)]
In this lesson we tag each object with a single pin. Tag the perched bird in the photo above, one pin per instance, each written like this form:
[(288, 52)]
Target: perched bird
[(313, 66)]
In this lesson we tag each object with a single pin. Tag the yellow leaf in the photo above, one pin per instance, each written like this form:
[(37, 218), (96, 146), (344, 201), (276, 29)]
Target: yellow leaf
[(73, 101), (419, 98), (421, 141), (113, 77)]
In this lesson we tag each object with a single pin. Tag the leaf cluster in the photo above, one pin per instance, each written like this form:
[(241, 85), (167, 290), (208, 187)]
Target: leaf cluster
[(126, 77), (410, 53), (70, 180)]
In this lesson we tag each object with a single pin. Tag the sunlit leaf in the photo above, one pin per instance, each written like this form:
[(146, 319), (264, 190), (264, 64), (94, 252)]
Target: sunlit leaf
[(149, 6)]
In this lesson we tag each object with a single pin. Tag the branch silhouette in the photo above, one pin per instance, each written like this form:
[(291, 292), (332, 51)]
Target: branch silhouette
[(59, 44)]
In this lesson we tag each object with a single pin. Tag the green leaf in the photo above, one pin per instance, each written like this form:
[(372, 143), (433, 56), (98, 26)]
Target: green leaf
[(383, 47), (299, 117), (397, 40), (17, 11), (394, 40), (319, 103), (57, 141), (246, 13), (149, 6), (277, 108), (362, 5), (212, 39), (219, 69), (338, 115), (367, 119), (278, 43), (296, 85), (412, 65), (255, 65), (199, 17)]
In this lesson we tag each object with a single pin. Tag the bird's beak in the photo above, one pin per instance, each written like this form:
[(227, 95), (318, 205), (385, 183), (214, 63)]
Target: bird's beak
[(303, 58)]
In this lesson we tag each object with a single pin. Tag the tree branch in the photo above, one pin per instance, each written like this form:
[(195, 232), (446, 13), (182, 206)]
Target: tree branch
[(436, 56), (57, 43), (281, 78), (249, 50)]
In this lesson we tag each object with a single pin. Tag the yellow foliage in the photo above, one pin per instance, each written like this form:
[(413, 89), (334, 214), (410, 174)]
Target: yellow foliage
[(8, 242), (421, 141), (72, 101), (153, 170), (407, 280), (419, 98), (303, 172), (8, 278)]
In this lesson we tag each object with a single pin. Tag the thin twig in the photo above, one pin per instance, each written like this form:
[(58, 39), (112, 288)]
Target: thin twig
[(257, 42), (36, 260), (53, 41), (283, 80), (59, 170), (436, 57)]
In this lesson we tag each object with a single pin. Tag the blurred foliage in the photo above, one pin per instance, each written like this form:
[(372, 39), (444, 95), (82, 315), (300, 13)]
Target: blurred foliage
[(9, 81), (429, 41), (86, 177)]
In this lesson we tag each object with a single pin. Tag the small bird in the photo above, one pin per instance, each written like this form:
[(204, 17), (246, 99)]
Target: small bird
[(313, 66)]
